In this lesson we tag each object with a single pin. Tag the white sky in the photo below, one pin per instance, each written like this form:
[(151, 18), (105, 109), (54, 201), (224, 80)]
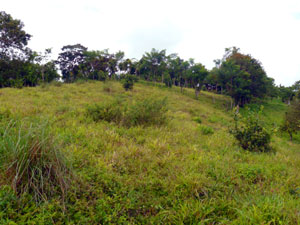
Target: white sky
[(269, 30)]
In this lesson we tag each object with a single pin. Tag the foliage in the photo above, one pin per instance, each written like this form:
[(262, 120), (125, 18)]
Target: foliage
[(123, 172), (167, 80), (149, 111), (251, 133), (128, 81), (32, 161), (69, 61), (292, 119), (198, 120), (110, 112), (13, 39), (206, 130)]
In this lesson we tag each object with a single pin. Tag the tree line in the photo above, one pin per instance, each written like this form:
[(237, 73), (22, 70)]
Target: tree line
[(240, 76)]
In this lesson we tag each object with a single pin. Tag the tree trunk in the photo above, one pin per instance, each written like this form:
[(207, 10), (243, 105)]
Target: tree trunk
[(291, 136), (197, 93)]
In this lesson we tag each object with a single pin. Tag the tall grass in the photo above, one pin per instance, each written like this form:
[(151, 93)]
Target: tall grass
[(145, 112), (32, 161)]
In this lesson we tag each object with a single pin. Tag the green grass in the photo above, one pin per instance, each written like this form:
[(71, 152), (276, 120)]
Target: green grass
[(170, 173)]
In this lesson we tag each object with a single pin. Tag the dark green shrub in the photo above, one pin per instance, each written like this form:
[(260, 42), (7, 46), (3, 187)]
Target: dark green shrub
[(150, 111), (251, 133), (128, 81), (197, 120), (32, 162), (110, 112)]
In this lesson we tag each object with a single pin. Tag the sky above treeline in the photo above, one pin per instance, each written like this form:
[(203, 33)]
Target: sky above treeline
[(199, 29)]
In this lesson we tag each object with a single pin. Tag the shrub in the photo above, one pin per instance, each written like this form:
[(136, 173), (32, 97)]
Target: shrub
[(206, 130), (251, 133), (32, 162), (110, 112), (128, 82), (148, 111), (197, 120)]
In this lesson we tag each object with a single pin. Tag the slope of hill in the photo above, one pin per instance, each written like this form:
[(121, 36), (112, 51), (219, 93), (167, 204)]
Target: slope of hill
[(188, 170)]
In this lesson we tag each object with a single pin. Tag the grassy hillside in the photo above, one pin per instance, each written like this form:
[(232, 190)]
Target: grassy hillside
[(188, 170)]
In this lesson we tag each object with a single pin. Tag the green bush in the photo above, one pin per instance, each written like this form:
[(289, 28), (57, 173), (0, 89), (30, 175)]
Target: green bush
[(206, 130), (251, 133), (149, 111), (197, 120), (110, 112), (32, 162), (128, 81)]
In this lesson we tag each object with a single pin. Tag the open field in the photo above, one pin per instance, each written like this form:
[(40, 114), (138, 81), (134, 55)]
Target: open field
[(188, 170)]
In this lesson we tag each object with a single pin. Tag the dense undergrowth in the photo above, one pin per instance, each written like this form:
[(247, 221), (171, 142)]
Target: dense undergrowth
[(187, 169)]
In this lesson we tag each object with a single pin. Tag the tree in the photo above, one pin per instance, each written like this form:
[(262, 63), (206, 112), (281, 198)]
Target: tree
[(242, 76), (286, 93), (167, 79), (13, 39), (69, 61), (95, 65), (292, 119), (155, 63), (197, 74)]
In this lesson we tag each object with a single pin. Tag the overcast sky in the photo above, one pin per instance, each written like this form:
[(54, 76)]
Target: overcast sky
[(269, 30)]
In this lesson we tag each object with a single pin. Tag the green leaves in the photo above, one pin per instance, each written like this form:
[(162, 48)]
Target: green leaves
[(251, 133)]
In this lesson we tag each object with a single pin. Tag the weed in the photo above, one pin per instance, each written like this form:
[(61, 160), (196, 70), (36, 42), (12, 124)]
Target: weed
[(206, 130)]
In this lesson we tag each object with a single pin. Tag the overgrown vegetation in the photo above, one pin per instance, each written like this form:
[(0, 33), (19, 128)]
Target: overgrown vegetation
[(173, 173), (251, 133), (137, 157), (148, 111)]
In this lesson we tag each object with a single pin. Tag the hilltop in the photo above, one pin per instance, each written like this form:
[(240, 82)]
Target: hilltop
[(186, 170)]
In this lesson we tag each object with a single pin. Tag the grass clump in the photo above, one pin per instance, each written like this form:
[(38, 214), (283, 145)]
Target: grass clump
[(32, 162), (110, 112), (206, 130), (5, 113), (251, 133)]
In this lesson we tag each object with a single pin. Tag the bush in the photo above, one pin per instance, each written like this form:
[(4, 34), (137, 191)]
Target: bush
[(197, 120), (32, 162), (128, 82), (149, 111), (110, 112), (206, 130), (251, 133)]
